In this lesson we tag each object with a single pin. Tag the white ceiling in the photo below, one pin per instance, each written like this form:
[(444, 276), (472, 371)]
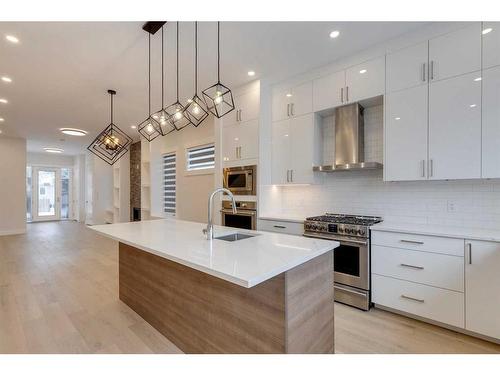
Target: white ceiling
[(61, 71)]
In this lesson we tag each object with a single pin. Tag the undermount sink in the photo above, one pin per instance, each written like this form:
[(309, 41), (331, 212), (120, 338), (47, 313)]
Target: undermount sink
[(235, 236)]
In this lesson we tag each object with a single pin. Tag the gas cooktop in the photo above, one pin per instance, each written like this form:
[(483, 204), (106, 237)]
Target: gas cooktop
[(340, 224)]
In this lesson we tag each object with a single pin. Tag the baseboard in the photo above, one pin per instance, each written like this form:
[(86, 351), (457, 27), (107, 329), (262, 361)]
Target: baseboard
[(12, 232)]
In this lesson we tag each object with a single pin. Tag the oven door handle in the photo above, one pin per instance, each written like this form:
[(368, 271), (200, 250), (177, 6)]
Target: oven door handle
[(336, 286), (239, 212), (343, 240)]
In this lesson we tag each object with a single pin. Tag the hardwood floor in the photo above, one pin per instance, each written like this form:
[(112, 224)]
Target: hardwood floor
[(59, 294)]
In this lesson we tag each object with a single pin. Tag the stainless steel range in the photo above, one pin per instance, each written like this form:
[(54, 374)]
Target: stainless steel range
[(352, 258)]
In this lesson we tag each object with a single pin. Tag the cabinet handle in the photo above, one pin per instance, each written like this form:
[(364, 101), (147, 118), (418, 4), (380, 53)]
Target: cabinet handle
[(469, 247), (279, 226), (432, 70), (342, 95), (411, 266), (413, 242), (423, 168), (240, 114), (423, 72), (412, 298), (287, 175), (292, 108), (291, 175), (237, 115), (347, 93), (431, 168)]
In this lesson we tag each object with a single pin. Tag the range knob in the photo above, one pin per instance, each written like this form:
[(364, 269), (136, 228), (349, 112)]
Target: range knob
[(361, 232)]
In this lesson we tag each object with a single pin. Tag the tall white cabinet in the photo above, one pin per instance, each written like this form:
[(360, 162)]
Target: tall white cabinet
[(491, 123), (121, 189)]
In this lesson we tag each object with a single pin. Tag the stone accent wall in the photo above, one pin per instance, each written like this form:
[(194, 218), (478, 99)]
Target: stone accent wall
[(135, 177)]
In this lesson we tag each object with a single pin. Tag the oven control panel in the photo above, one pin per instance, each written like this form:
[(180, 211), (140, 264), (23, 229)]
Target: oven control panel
[(342, 229)]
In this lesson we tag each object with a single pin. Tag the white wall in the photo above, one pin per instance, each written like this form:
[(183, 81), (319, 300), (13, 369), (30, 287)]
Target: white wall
[(193, 189), (49, 160), (12, 185)]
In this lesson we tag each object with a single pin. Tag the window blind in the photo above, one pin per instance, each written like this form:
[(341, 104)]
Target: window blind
[(169, 188), (201, 157)]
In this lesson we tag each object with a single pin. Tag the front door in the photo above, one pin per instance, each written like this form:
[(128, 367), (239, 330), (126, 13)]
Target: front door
[(46, 194)]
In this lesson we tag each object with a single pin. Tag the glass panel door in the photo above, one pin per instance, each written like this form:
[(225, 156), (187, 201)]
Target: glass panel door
[(46, 194)]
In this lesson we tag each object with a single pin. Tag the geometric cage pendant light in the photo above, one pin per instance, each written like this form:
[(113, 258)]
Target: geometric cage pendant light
[(196, 111), (112, 143), (161, 116), (175, 111), (218, 98), (149, 128)]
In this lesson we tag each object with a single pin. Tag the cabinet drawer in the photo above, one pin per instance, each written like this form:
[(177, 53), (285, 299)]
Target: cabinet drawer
[(433, 244), (442, 271), (437, 304), (281, 227)]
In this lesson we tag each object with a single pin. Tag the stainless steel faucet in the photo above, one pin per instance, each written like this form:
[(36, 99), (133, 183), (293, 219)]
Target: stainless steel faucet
[(209, 231)]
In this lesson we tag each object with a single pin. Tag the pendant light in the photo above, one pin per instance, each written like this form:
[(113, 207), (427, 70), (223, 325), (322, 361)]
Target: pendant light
[(196, 110), (149, 128), (161, 116), (218, 98), (112, 143), (175, 111)]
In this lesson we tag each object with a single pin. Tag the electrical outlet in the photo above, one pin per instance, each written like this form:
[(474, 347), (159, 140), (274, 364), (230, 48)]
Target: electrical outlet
[(451, 206)]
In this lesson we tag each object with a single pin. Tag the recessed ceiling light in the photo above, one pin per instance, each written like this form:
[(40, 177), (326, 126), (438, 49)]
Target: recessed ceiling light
[(488, 30), (397, 118), (53, 150), (251, 73), (7, 79), (12, 38), (473, 105), (134, 127), (72, 131), (0, 131), (2, 119), (477, 79), (362, 71), (4, 101), (334, 34), (288, 95)]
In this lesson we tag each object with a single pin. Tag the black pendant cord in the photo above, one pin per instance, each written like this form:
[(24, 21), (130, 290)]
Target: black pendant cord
[(149, 71), (196, 58), (111, 95), (162, 74), (218, 51), (177, 60)]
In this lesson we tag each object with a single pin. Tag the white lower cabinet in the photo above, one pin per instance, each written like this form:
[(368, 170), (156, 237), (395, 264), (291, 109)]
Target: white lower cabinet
[(482, 288), (437, 304)]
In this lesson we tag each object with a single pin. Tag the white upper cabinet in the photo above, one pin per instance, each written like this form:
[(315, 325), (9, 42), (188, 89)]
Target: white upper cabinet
[(455, 53), (248, 133), (280, 152), (328, 91), (482, 288), (491, 123), (407, 68), (491, 44), (292, 101), (365, 80), (455, 128), (406, 135), (246, 108)]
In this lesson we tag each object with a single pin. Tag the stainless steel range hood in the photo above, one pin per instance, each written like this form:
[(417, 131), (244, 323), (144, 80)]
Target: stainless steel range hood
[(349, 141)]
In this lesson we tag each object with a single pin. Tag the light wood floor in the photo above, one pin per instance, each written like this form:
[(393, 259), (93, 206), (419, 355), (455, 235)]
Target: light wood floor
[(59, 294)]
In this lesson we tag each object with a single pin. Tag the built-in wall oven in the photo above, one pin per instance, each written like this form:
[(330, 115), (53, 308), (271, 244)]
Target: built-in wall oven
[(241, 180), (244, 218)]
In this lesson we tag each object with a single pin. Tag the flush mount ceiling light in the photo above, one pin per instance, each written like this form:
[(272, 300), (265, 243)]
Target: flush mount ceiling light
[(175, 111), (112, 143), (12, 39), (2, 119), (149, 128), (166, 126), (487, 30), (251, 73), (53, 150), (7, 79), (72, 131), (334, 34), (218, 98), (4, 101), (362, 71), (196, 111)]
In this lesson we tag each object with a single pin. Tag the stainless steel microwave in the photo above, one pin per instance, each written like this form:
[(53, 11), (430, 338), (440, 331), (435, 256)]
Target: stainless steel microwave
[(241, 180)]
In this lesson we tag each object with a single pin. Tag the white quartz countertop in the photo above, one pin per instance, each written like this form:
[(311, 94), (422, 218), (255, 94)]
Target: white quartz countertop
[(442, 231), (246, 262)]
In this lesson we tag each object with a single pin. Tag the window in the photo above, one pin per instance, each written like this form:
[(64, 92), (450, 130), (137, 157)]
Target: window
[(201, 157), (169, 183)]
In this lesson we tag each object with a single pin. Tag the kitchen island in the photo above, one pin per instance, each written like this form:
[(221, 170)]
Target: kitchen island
[(268, 293)]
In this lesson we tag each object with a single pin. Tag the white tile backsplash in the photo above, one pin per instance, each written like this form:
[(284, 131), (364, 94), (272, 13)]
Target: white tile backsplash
[(473, 203)]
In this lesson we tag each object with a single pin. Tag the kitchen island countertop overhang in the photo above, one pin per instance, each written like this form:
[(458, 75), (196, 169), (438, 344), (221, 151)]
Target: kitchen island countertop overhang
[(245, 262)]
